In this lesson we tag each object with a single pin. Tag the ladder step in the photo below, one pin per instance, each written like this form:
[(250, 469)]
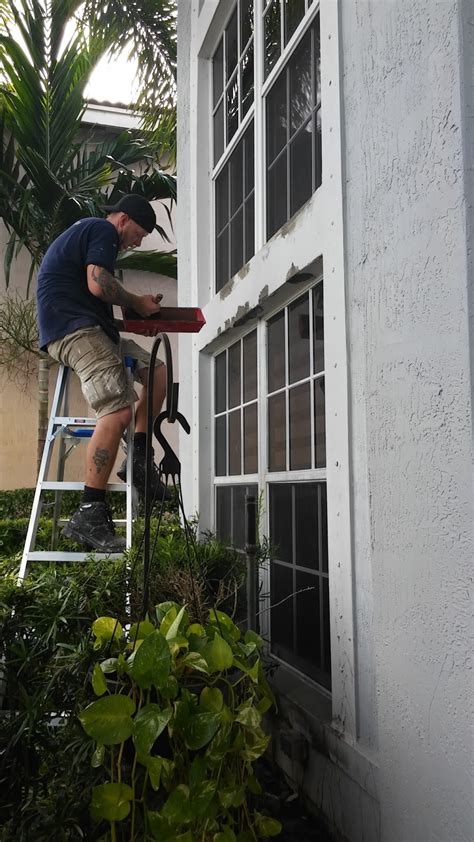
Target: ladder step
[(56, 485), (72, 421), (48, 555)]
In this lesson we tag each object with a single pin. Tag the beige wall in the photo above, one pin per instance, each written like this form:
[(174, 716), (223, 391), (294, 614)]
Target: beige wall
[(18, 403)]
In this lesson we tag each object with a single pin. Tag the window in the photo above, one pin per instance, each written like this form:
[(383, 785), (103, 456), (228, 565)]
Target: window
[(300, 628), (232, 76), (293, 130), (235, 409), (230, 513), (280, 20), (295, 378), (235, 224)]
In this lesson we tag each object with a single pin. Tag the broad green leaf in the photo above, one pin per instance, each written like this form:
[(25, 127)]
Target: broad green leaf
[(225, 835), (167, 772), (177, 809), (98, 757), (194, 661), (264, 705), (107, 628), (223, 621), (202, 796), (200, 729), (256, 744), (231, 796), (253, 785), (109, 665), (168, 619), (211, 699), (197, 629), (111, 802), (99, 683), (218, 654), (220, 745), (174, 627), (141, 630), (253, 672), (148, 724), (197, 771), (170, 688), (151, 665), (154, 766), (160, 827), (177, 643), (266, 826), (253, 637), (163, 608), (249, 716), (109, 719)]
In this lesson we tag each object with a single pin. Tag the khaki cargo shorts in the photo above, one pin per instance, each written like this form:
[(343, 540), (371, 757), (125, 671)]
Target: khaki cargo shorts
[(98, 362)]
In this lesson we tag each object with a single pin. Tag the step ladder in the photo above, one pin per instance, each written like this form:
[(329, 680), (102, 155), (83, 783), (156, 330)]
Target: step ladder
[(67, 432)]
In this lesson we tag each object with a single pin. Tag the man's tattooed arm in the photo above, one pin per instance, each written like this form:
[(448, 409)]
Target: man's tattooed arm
[(104, 286)]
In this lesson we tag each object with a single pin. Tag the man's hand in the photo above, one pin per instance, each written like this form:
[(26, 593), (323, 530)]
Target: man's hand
[(147, 305)]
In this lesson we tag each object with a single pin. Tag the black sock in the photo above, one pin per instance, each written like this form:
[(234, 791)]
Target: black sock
[(93, 495), (139, 443)]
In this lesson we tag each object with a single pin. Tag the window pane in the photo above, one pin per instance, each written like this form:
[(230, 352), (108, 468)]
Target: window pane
[(318, 328), (238, 516), (249, 228), (301, 179), (281, 616), (317, 62), (218, 132), (223, 512), (218, 73), (250, 439), (298, 339), (276, 352), (276, 118), (234, 375), (294, 13), (221, 446), (301, 103), (324, 527), (222, 199), (319, 424), (222, 259), (306, 524), (232, 96), (236, 178), (300, 428), (317, 152), (231, 45), (246, 85), (249, 160), (235, 466), (237, 242), (276, 196), (281, 521), (272, 26), (308, 619), (246, 22), (250, 366), (220, 379), (277, 433)]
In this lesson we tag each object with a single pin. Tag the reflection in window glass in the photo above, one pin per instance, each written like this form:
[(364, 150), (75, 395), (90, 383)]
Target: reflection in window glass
[(246, 84), (220, 380), (250, 366), (272, 35), (231, 45), (277, 433), (298, 339), (276, 352), (293, 130), (218, 73), (224, 513), (300, 428), (318, 328), (231, 513), (235, 462), (234, 375), (221, 446), (250, 439), (246, 22), (294, 12), (319, 423)]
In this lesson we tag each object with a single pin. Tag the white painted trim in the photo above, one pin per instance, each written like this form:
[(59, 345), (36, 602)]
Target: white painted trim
[(337, 381)]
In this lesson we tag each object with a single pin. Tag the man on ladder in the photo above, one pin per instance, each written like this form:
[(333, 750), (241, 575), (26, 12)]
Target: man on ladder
[(75, 293)]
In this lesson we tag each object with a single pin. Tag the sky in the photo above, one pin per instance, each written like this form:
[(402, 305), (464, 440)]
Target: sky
[(113, 81)]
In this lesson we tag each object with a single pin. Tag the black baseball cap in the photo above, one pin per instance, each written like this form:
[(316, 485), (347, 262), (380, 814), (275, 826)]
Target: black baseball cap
[(137, 208)]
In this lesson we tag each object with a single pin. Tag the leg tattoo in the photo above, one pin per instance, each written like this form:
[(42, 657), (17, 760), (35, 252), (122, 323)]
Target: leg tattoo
[(100, 458)]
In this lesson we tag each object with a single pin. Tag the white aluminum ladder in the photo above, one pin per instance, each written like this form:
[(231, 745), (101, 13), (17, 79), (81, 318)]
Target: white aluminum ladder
[(63, 428)]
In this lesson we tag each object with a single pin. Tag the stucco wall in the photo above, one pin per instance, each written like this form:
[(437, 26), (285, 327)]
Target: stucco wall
[(407, 284)]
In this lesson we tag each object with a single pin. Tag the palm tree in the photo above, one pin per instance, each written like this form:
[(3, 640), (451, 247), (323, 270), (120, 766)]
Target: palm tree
[(49, 179)]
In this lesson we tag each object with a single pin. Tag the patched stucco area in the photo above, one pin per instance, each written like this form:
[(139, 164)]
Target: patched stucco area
[(406, 214)]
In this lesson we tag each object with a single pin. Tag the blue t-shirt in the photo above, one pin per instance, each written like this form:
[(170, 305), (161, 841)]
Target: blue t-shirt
[(65, 303)]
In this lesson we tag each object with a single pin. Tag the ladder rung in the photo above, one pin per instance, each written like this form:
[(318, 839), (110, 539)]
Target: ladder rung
[(72, 421), (47, 555), (56, 485)]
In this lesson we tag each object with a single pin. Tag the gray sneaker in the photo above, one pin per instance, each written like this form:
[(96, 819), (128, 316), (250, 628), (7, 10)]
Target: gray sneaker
[(92, 525)]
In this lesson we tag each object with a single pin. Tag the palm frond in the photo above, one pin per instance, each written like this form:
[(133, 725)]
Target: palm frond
[(159, 262)]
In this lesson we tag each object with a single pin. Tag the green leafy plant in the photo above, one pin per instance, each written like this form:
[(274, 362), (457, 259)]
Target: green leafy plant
[(176, 728)]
